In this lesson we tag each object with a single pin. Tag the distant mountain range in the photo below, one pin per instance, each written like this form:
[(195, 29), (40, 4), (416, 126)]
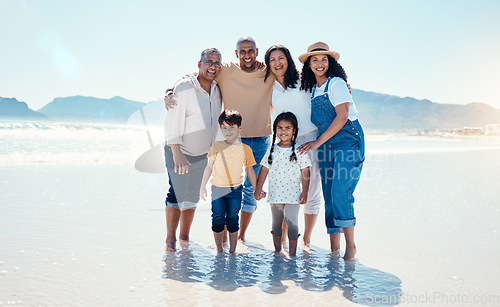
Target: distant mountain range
[(74, 108), (116, 109), (11, 108), (376, 111), (386, 112)]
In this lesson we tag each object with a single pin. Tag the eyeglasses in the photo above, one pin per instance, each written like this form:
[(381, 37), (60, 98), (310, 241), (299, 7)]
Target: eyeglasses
[(211, 63)]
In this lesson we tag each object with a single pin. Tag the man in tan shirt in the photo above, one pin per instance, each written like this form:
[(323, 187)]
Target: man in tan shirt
[(244, 90)]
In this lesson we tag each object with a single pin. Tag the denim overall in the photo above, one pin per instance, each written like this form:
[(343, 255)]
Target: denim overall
[(340, 162)]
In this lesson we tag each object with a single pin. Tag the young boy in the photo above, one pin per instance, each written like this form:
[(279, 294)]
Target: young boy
[(226, 160)]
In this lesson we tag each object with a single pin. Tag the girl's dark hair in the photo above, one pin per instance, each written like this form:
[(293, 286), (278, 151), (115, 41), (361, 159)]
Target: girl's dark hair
[(290, 117), (308, 79), (291, 74), (230, 117)]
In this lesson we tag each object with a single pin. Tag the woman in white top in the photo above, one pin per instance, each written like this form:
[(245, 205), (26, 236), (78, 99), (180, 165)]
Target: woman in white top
[(287, 97)]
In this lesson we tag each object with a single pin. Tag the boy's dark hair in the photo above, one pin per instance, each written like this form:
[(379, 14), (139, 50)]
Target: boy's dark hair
[(230, 117)]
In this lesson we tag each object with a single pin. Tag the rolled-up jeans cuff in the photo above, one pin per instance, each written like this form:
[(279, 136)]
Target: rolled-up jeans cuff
[(248, 208), (172, 205), (345, 223), (185, 205), (334, 230)]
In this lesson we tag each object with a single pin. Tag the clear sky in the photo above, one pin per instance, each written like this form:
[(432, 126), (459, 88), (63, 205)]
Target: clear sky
[(446, 51)]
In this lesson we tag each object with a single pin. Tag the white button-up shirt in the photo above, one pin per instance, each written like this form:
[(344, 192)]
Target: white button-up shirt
[(193, 122)]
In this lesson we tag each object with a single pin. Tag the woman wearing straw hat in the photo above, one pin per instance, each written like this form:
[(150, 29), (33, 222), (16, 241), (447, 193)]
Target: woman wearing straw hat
[(341, 146)]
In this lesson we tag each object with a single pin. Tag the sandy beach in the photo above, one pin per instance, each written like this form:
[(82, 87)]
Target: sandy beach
[(81, 226)]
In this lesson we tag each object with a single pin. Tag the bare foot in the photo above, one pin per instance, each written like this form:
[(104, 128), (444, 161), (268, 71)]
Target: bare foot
[(183, 238), (350, 252), (184, 244), (335, 253), (242, 248), (170, 247), (241, 238), (280, 253), (305, 247), (335, 242)]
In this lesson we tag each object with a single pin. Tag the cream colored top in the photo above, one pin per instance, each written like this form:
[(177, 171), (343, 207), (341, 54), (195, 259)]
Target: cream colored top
[(193, 123), (236, 157), (247, 93)]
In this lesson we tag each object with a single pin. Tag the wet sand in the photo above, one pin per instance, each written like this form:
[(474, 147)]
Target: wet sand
[(93, 234)]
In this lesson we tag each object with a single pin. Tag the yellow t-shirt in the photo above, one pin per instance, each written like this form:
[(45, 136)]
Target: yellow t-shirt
[(236, 158)]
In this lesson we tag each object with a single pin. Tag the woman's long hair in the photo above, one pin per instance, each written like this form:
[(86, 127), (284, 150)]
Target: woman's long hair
[(308, 79), (291, 74), (290, 117)]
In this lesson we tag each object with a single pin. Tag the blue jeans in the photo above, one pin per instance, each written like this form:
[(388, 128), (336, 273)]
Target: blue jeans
[(340, 163), (259, 146), (226, 205)]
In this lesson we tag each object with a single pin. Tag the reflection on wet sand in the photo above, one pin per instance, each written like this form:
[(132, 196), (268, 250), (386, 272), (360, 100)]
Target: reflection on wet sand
[(317, 270)]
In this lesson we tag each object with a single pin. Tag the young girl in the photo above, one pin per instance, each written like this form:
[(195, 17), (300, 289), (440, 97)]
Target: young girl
[(341, 140), (287, 170)]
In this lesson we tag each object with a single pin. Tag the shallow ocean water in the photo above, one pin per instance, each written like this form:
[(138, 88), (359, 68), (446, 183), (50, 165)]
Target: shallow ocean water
[(81, 226)]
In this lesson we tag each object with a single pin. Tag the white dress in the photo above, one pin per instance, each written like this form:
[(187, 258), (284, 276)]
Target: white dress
[(284, 175)]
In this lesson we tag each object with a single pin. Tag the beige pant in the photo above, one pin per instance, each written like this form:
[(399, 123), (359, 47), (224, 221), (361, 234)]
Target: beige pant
[(315, 194)]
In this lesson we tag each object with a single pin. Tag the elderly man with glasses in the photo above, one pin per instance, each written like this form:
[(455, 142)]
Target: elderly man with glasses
[(190, 131)]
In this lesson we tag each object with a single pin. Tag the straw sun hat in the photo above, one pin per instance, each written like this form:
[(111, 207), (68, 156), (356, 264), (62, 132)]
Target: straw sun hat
[(318, 48)]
